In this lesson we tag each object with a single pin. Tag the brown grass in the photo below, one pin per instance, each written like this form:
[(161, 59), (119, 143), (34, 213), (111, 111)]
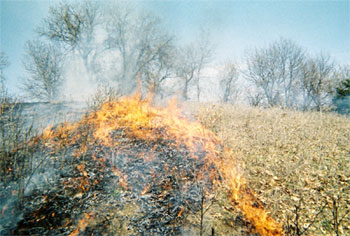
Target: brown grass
[(291, 159)]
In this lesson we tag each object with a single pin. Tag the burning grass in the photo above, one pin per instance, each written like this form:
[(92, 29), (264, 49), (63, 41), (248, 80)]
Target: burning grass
[(130, 168), (297, 163)]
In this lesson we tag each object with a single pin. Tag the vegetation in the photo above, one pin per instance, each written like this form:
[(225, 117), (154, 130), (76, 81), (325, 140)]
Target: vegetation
[(101, 96), (16, 160), (295, 155), (344, 89), (88, 46), (275, 71), (44, 66), (228, 83), (341, 100), (132, 40), (285, 76), (3, 64), (297, 162)]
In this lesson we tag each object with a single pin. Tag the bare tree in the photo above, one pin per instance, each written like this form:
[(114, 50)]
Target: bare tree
[(317, 81), (4, 62), (228, 82), (43, 64), (204, 52), (134, 43), (262, 72), (276, 71), (73, 25), (142, 46), (343, 72), (159, 71), (254, 99), (186, 68), (291, 58), (191, 60)]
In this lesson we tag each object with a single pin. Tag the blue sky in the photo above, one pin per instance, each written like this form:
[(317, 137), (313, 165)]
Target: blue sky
[(235, 26), (238, 25)]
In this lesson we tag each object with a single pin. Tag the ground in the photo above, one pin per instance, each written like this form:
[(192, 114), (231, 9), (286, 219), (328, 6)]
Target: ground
[(297, 162)]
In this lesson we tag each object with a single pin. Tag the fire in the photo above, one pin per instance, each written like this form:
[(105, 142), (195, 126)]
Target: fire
[(82, 224), (81, 168), (133, 117), (180, 212), (124, 182), (140, 119), (244, 198)]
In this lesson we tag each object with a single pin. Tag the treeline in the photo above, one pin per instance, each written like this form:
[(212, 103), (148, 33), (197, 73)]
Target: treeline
[(285, 75), (115, 46), (85, 45)]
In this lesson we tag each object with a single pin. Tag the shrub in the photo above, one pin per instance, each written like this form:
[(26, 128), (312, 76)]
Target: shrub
[(341, 100)]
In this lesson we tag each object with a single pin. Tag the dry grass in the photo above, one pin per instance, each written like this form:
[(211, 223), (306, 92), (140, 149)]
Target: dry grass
[(293, 160)]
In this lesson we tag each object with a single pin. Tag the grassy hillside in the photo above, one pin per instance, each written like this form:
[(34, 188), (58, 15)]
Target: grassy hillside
[(298, 163)]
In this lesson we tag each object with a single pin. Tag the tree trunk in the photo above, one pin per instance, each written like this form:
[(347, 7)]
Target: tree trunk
[(184, 91)]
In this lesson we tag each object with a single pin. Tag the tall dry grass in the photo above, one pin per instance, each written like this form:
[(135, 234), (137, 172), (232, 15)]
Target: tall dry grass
[(297, 162)]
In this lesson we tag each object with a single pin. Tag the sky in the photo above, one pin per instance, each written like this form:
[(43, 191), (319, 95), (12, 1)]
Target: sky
[(234, 26)]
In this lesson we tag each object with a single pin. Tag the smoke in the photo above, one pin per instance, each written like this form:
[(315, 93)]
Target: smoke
[(10, 213), (41, 177), (77, 84), (36, 172)]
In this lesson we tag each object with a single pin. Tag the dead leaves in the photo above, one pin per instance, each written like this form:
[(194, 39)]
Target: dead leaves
[(288, 151)]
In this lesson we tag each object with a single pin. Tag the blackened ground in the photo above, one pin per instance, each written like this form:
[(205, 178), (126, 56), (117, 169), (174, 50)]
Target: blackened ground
[(162, 180), (136, 187), (55, 210)]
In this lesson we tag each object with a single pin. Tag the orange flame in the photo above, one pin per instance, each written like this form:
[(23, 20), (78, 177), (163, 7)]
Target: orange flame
[(81, 168), (82, 224), (244, 198), (137, 118), (141, 120), (124, 182), (180, 212)]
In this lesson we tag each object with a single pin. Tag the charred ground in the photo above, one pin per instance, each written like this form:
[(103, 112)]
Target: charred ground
[(130, 169)]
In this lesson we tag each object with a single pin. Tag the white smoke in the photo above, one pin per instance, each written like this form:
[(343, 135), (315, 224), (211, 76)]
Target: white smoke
[(77, 85)]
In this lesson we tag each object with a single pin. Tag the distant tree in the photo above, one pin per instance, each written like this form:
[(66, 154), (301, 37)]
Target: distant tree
[(186, 68), (159, 71), (192, 58), (142, 46), (228, 82), (275, 71), (343, 77), (262, 66), (73, 25), (317, 81), (291, 58), (341, 100), (343, 90), (43, 62), (4, 63), (255, 99), (205, 51)]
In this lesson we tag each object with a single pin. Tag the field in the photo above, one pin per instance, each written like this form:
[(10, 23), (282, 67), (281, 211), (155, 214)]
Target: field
[(129, 167), (296, 162)]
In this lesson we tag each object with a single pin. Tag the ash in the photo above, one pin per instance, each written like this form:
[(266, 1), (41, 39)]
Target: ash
[(136, 187)]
